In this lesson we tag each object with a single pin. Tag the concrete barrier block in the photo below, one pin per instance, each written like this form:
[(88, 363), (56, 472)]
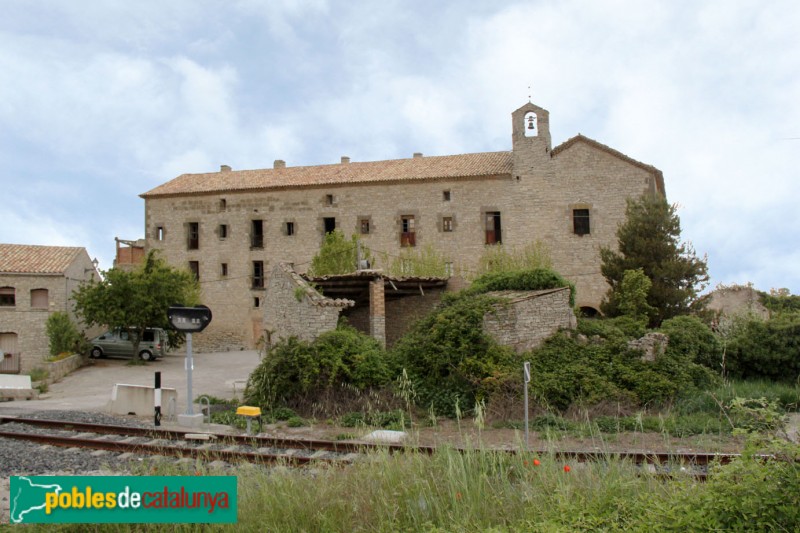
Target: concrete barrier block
[(138, 399)]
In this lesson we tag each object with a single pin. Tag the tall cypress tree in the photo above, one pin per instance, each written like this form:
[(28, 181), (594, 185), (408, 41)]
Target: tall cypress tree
[(650, 239)]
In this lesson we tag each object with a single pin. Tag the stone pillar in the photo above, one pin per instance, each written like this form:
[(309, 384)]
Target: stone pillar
[(377, 311)]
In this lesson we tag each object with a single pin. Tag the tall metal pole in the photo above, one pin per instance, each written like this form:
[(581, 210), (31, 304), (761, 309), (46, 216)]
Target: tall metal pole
[(189, 365)]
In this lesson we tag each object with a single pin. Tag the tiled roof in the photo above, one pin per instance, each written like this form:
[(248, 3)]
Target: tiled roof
[(33, 259), (416, 168), (314, 296)]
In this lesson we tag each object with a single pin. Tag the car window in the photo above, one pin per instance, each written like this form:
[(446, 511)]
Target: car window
[(148, 336), (123, 335)]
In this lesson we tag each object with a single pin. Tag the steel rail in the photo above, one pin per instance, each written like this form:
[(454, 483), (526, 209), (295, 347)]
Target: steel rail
[(259, 441), (206, 454)]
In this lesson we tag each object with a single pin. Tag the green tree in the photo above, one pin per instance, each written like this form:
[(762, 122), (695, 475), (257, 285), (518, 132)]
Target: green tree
[(632, 296), (337, 255), (137, 300), (649, 239)]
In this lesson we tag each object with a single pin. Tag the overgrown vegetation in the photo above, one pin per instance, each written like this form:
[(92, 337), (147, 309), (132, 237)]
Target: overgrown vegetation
[(423, 261), (295, 372), (450, 361), (501, 258), (338, 255), (765, 348)]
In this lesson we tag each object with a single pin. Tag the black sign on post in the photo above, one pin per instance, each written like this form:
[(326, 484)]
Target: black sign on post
[(189, 319)]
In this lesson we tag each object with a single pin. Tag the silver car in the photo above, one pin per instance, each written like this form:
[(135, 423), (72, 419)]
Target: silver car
[(118, 343)]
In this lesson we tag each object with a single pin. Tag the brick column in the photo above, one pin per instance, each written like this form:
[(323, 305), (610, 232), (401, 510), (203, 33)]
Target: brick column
[(377, 311)]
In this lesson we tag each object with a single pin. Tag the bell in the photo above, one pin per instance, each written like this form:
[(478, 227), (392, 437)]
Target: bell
[(530, 123)]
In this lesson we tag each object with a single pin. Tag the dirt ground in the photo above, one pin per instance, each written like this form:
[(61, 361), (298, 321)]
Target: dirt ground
[(467, 435)]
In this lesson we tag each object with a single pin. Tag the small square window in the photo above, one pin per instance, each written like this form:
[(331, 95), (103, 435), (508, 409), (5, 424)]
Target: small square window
[(256, 301), (363, 226), (581, 222), (447, 224), (159, 233), (223, 204), (224, 270), (445, 196), (290, 228), (329, 199), (223, 231)]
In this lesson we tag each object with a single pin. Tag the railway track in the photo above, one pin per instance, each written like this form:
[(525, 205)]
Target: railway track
[(260, 449)]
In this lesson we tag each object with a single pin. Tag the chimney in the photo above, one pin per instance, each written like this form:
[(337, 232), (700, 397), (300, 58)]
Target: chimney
[(417, 155), (224, 168), (345, 160), (279, 163)]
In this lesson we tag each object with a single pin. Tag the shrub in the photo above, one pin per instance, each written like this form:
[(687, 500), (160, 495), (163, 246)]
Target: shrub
[(448, 357), (690, 337), (567, 372), (63, 335), (766, 349), (295, 370)]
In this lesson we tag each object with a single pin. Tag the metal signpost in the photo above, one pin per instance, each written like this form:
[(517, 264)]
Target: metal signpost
[(527, 376), (189, 320)]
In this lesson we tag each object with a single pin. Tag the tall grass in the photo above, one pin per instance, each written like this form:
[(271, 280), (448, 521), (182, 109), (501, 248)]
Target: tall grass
[(484, 490), (786, 395)]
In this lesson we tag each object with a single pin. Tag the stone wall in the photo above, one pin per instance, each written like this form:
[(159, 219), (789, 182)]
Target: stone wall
[(292, 308), (526, 318), (401, 313)]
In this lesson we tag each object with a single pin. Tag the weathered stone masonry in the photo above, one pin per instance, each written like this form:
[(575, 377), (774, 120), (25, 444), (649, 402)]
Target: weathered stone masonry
[(253, 219)]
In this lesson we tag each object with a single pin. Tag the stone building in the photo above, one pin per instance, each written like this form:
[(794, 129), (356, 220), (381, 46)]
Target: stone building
[(34, 282), (231, 227)]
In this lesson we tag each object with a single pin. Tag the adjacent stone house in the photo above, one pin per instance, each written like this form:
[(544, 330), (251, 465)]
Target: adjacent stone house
[(232, 227), (34, 282)]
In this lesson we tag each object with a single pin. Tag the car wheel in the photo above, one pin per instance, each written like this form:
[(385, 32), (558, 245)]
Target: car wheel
[(96, 353), (145, 355)]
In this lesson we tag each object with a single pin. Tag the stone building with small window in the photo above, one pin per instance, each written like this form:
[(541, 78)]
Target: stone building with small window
[(231, 227), (34, 282)]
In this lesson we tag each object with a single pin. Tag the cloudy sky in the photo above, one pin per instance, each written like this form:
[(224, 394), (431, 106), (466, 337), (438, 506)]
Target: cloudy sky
[(102, 101)]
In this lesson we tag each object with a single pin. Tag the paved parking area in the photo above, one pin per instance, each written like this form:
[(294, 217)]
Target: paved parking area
[(89, 388)]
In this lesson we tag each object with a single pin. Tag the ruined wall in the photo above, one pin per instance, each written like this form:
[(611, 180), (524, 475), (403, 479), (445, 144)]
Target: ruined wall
[(401, 313), (524, 320), (292, 308), (737, 300)]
